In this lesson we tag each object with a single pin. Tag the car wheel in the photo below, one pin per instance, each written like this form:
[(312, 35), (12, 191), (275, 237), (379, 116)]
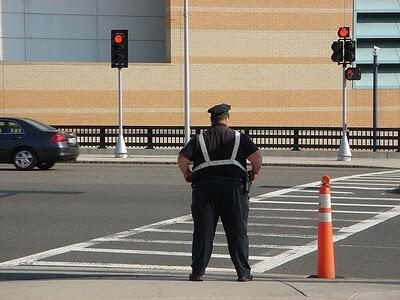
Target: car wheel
[(45, 165), (24, 159)]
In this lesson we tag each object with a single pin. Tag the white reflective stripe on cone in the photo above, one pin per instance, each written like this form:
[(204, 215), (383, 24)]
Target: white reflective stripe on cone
[(325, 217), (325, 200)]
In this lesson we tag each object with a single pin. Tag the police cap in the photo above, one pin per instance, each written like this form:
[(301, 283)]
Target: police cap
[(219, 110)]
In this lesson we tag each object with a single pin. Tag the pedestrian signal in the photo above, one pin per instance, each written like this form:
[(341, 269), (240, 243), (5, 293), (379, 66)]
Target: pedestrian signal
[(119, 49), (353, 73)]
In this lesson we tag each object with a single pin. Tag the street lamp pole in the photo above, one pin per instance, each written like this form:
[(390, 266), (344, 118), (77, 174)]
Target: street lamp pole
[(187, 82)]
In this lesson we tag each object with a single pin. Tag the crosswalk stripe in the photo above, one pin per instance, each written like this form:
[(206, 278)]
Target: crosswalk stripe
[(177, 242), (365, 183), (333, 204), (303, 218), (338, 197), (315, 210), (299, 236), (122, 266), (162, 253)]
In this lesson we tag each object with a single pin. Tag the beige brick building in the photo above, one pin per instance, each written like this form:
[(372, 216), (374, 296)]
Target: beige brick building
[(269, 59)]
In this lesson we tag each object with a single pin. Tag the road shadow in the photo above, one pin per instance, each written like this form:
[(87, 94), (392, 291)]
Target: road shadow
[(8, 193)]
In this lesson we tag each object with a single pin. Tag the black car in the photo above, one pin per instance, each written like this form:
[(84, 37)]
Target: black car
[(27, 144)]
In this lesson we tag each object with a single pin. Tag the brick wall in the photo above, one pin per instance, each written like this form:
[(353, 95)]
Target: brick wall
[(269, 59)]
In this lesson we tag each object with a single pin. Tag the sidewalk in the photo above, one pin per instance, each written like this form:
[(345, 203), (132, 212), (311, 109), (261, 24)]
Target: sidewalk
[(167, 286), (387, 160)]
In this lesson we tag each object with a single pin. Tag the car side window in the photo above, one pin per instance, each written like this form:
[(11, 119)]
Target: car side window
[(2, 127), (10, 127)]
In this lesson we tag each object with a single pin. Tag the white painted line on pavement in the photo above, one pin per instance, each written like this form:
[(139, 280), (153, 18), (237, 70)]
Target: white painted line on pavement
[(370, 247), (271, 225), (345, 232), (366, 183), (315, 210), (361, 188), (298, 236), (339, 197), (316, 191), (28, 260), (176, 242), (303, 218), (373, 180), (161, 253), (122, 266), (269, 263), (333, 204)]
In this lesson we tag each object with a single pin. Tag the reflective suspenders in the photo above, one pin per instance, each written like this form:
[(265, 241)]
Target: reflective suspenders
[(223, 162)]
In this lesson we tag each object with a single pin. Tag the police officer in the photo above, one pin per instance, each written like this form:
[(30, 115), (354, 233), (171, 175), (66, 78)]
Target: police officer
[(218, 180)]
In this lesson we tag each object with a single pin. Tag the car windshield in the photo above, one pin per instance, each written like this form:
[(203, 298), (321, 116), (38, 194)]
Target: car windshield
[(39, 125)]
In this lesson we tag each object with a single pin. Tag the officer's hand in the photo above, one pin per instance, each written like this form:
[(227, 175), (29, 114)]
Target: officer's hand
[(253, 176), (188, 176)]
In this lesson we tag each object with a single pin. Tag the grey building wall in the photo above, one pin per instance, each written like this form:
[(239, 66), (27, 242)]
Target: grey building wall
[(79, 30)]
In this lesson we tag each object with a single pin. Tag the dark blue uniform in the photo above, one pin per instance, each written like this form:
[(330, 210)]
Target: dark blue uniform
[(218, 183)]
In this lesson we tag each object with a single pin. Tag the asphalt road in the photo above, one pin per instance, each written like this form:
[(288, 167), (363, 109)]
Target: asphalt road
[(44, 210)]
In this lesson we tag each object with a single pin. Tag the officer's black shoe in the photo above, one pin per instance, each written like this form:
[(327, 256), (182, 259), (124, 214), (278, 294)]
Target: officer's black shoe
[(194, 277), (245, 278)]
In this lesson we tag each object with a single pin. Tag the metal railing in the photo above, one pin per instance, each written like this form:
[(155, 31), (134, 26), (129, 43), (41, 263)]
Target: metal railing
[(293, 138)]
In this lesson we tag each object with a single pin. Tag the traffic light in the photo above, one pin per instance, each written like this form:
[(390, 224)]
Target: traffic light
[(119, 49), (353, 73), (343, 32), (337, 55), (349, 51)]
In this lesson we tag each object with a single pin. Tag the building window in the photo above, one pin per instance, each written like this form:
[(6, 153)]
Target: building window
[(377, 23)]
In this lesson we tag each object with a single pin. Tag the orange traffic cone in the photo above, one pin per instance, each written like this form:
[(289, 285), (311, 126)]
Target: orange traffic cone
[(326, 261)]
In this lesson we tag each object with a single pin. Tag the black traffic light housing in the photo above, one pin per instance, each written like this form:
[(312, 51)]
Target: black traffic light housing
[(353, 73), (119, 49), (349, 51), (337, 55)]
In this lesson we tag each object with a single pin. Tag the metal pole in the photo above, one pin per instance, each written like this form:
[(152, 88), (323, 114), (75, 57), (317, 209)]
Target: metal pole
[(187, 81), (344, 151), (375, 99), (120, 149)]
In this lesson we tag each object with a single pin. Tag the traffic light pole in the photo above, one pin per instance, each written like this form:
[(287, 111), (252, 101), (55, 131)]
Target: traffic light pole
[(344, 151), (187, 77), (120, 149), (375, 100)]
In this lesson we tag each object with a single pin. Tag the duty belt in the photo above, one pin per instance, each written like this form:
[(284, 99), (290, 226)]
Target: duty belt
[(223, 162)]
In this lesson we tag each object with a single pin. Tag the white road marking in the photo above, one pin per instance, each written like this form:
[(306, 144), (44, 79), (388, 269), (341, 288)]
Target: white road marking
[(28, 260), (366, 183), (365, 179), (371, 247), (315, 191), (293, 252), (272, 225), (303, 218), (339, 197), (315, 210), (334, 204), (176, 242), (161, 253), (362, 188), (345, 232), (122, 266), (298, 236)]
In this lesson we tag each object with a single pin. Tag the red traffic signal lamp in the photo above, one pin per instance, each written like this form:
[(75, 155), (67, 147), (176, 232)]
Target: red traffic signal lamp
[(118, 38), (119, 49), (343, 32), (353, 73)]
